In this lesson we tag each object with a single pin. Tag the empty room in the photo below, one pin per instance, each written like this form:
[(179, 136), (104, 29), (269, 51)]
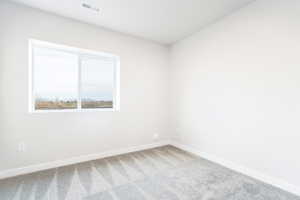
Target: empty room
[(150, 100)]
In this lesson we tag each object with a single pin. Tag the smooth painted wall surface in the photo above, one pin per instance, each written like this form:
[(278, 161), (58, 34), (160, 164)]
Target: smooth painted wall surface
[(236, 89), (56, 136)]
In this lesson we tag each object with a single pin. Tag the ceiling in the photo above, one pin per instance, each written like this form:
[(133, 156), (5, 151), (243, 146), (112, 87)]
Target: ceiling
[(163, 21)]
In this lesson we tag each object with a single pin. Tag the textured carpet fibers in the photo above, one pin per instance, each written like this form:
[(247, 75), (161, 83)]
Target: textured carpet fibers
[(164, 173)]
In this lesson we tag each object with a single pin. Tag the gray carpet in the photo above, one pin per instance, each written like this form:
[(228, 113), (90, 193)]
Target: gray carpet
[(164, 173)]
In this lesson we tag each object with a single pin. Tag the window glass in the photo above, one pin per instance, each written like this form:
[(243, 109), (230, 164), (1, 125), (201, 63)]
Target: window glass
[(97, 83), (68, 78), (55, 79)]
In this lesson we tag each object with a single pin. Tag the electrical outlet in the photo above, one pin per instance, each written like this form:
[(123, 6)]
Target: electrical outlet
[(22, 147)]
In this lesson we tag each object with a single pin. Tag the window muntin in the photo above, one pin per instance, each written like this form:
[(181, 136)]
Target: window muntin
[(71, 79)]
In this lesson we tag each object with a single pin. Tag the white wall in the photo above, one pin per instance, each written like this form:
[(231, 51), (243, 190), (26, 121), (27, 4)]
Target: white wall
[(236, 89), (54, 136)]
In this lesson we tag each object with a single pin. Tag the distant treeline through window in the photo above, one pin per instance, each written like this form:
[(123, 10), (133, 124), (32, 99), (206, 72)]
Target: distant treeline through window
[(67, 78)]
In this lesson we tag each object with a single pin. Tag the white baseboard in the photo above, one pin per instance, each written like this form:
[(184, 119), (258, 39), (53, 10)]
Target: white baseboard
[(59, 163), (241, 169)]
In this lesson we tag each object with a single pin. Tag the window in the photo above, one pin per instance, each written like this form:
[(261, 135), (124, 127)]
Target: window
[(70, 79)]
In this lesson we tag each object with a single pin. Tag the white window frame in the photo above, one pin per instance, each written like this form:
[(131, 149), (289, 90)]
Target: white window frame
[(81, 53)]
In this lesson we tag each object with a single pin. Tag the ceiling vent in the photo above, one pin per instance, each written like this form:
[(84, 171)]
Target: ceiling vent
[(90, 7)]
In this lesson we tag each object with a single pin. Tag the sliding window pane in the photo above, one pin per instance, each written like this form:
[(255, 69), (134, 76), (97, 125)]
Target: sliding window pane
[(55, 79), (97, 83)]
